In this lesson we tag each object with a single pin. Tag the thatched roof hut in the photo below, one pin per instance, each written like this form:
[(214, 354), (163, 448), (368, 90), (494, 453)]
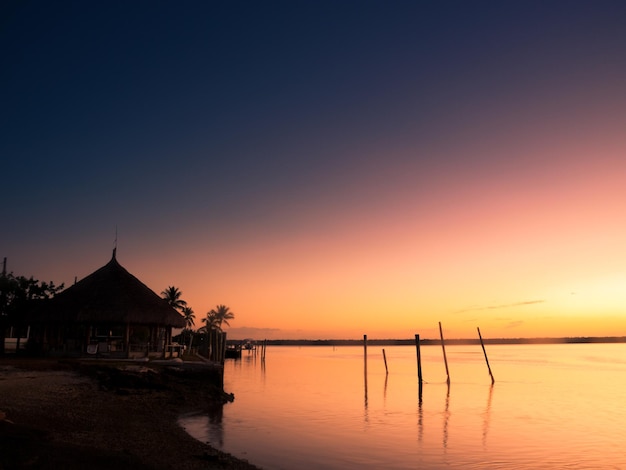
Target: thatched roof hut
[(112, 295), (108, 306)]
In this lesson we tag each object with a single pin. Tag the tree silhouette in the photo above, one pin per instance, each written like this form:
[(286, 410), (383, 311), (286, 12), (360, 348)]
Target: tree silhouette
[(221, 314), (190, 317), (210, 322), (173, 296), (17, 294)]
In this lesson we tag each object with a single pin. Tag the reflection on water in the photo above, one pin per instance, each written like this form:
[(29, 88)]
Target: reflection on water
[(365, 386), (385, 389), (207, 425), (446, 418), (420, 421), (487, 414), (556, 406)]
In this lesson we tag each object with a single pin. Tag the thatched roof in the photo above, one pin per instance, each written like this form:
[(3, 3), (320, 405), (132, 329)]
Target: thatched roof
[(110, 295)]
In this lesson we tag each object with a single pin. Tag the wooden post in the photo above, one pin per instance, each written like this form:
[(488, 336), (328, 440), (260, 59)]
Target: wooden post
[(213, 345), (385, 359), (445, 359), (222, 347), (365, 352), (211, 350), (218, 346), (486, 359), (419, 365)]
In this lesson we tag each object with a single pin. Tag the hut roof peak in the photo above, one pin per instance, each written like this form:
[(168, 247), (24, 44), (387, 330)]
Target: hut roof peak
[(112, 294)]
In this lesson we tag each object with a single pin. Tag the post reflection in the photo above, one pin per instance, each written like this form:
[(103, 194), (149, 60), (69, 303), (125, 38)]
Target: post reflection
[(487, 416), (446, 419), (420, 420), (365, 409), (385, 390), (365, 375)]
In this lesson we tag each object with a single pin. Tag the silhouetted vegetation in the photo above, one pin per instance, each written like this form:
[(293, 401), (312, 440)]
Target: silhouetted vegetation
[(18, 294), (173, 295)]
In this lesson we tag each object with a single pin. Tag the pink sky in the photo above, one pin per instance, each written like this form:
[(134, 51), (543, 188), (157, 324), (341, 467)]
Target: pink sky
[(328, 172)]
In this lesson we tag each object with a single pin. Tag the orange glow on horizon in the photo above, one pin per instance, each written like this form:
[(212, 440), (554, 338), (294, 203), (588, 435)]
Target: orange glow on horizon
[(524, 251)]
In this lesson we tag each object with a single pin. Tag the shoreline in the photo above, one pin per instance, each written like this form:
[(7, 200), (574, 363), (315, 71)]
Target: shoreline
[(71, 415), (450, 341)]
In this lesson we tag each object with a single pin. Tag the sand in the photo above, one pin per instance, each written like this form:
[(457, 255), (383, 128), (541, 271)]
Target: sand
[(72, 415)]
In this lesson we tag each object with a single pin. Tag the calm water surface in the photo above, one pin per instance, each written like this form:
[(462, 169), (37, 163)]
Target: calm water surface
[(313, 407)]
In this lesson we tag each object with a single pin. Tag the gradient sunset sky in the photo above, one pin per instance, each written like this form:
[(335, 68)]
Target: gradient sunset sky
[(326, 169)]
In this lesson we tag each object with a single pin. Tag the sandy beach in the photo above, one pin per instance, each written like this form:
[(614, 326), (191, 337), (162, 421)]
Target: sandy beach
[(71, 415)]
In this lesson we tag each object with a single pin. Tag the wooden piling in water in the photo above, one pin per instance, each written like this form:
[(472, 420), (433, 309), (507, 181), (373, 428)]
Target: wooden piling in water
[(486, 359), (385, 359), (419, 365), (445, 359), (365, 352)]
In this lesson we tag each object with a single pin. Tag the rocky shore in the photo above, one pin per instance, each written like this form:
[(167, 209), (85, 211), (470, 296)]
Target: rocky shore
[(87, 415)]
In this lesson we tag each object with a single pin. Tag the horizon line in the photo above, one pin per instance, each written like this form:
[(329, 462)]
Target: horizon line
[(403, 341)]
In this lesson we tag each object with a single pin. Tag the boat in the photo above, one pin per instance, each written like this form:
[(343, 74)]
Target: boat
[(233, 351), (248, 344)]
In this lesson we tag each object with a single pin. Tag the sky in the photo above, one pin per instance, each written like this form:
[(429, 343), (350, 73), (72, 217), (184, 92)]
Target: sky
[(326, 169)]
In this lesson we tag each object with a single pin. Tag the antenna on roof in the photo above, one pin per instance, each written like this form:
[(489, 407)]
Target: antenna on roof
[(115, 243)]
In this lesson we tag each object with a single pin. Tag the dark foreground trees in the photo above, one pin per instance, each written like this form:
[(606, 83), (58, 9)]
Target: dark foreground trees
[(17, 296), (212, 329)]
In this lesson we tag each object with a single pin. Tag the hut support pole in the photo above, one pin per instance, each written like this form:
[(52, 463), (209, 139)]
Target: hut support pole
[(223, 347), (127, 341), (165, 342)]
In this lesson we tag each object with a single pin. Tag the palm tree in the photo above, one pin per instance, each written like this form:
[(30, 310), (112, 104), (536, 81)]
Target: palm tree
[(212, 329), (190, 317), (221, 314), (210, 322), (172, 295)]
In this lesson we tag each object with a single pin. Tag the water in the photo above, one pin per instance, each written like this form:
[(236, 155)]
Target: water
[(552, 406)]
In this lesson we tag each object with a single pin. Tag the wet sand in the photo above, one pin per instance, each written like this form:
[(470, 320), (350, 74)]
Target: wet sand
[(69, 415)]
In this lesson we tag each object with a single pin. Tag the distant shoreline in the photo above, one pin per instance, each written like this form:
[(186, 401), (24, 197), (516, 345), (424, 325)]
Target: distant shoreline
[(430, 341)]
